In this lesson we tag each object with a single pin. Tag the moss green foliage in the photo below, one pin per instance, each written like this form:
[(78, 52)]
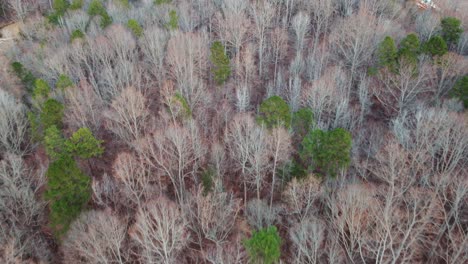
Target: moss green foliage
[(96, 8), (387, 53), (435, 46), (161, 2), (41, 90), (60, 6), (54, 143), (76, 4), (26, 76), (63, 82), (460, 90), (451, 30), (68, 192), (327, 152), (76, 34), (409, 48), (302, 121), (34, 126), (264, 247), (84, 145), (52, 114), (207, 180), (173, 23), (221, 64), (135, 27), (180, 99), (124, 3), (273, 112)]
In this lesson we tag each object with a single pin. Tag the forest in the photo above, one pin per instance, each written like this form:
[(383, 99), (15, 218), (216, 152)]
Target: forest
[(233, 131)]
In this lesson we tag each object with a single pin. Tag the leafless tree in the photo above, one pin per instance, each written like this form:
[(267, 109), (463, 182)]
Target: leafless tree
[(427, 24), (176, 152), (96, 237), (308, 238), (160, 231), (400, 90), (228, 253), (279, 42), (187, 56), (13, 125), (300, 197), (449, 68), (212, 215), (263, 13), (128, 115), (248, 148), (353, 40), (153, 45), (300, 24), (135, 178), (260, 215)]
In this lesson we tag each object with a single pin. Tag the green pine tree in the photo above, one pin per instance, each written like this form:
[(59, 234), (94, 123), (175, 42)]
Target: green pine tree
[(273, 112), (460, 90), (52, 114), (451, 30), (435, 46), (264, 247), (135, 27), (84, 145), (221, 64), (387, 53), (54, 143)]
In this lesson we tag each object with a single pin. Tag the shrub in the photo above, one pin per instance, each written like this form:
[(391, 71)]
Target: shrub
[(41, 90), (84, 145), (52, 114), (207, 180), (435, 46), (173, 23), (160, 2), (26, 76), (451, 30), (221, 64), (54, 143), (460, 90), (63, 82), (68, 191), (60, 6), (76, 34), (133, 25), (264, 246), (76, 4), (327, 152), (302, 122), (273, 112)]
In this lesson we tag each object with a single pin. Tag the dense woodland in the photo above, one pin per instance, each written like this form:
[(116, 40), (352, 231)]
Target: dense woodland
[(234, 131)]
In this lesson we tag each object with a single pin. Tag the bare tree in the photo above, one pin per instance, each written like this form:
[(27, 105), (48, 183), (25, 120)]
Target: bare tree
[(260, 215), (449, 68), (228, 253), (212, 215), (353, 40), (300, 24), (263, 14), (400, 90), (160, 231), (128, 115), (13, 125), (300, 197), (135, 177), (96, 237), (153, 45), (176, 152), (308, 238), (279, 42)]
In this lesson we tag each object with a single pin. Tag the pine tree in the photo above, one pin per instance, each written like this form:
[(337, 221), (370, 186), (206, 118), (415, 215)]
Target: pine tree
[(221, 64), (387, 53), (84, 145), (451, 30), (264, 246), (273, 112)]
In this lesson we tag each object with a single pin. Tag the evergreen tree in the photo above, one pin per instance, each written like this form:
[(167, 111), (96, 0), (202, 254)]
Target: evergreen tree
[(451, 30), (54, 143), (41, 90), (84, 145), (327, 151), (63, 82), (460, 90), (221, 64), (52, 114), (68, 191), (387, 53), (273, 112), (264, 246), (409, 48), (435, 46), (302, 122)]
